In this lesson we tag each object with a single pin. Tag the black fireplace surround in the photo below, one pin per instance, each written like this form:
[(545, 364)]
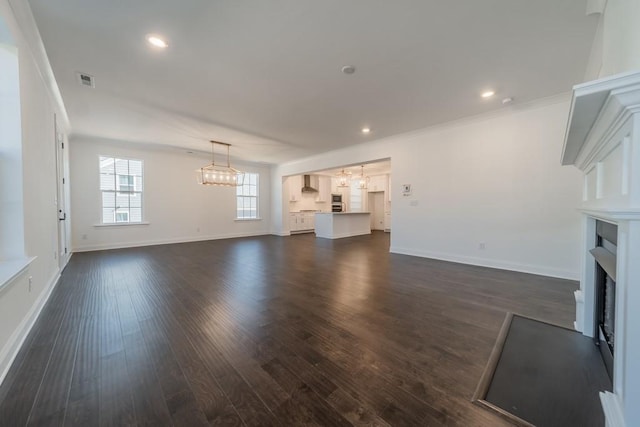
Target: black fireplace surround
[(605, 288)]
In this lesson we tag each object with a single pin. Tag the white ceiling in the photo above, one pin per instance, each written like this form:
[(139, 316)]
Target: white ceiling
[(265, 75)]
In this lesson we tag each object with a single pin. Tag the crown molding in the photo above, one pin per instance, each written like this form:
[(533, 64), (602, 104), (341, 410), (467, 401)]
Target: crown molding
[(28, 29)]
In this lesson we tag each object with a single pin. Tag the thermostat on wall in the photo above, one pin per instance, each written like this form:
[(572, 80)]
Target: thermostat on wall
[(406, 189)]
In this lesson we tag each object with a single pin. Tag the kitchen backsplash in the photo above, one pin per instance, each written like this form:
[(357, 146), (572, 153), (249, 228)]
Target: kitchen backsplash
[(307, 201)]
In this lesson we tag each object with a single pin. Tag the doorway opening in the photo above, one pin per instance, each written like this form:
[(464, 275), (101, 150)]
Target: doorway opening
[(377, 210), (358, 188)]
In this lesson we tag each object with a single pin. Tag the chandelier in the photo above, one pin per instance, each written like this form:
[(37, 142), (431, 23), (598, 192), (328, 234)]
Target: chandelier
[(363, 180), (343, 178), (213, 174)]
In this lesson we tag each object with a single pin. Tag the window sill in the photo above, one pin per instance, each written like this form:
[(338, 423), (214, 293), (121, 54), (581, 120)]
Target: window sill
[(247, 219), (122, 224), (9, 270)]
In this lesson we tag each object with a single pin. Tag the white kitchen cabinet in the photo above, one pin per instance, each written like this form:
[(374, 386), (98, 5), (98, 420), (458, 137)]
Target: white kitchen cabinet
[(334, 185), (295, 188), (293, 222), (377, 183), (373, 184), (301, 222), (309, 221), (324, 189)]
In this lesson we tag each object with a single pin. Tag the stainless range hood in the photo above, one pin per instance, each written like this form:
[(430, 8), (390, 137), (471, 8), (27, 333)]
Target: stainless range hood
[(307, 188)]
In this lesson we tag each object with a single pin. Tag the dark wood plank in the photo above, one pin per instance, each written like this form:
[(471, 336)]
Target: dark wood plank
[(148, 400), (53, 395), (82, 404), (20, 388), (114, 394), (269, 331), (115, 398)]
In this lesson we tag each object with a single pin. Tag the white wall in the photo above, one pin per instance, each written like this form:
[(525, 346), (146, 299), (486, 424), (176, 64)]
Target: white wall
[(173, 203), (621, 37), (494, 179), (19, 302), (616, 45)]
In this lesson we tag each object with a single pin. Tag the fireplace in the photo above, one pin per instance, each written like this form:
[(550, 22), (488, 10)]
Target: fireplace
[(603, 142), (605, 287)]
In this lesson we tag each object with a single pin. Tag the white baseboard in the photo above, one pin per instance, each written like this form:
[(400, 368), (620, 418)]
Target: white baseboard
[(11, 349), (283, 234), (491, 263), (121, 245), (344, 235)]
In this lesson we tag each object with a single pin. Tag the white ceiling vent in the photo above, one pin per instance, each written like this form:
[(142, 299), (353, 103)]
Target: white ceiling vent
[(86, 80)]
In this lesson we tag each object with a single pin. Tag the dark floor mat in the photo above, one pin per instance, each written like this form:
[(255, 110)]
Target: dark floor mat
[(544, 375)]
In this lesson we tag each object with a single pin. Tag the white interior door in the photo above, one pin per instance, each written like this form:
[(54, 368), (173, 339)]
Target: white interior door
[(61, 205), (376, 207)]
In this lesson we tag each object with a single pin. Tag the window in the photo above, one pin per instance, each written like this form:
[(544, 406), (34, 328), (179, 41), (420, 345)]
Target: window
[(11, 190), (13, 258), (356, 196), (247, 197), (121, 187), (126, 183), (122, 216)]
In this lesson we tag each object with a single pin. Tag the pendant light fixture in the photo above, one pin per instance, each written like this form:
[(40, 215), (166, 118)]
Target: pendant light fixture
[(343, 179), (363, 181), (224, 176)]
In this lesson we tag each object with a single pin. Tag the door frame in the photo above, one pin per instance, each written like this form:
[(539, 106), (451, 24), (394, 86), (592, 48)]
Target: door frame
[(61, 196)]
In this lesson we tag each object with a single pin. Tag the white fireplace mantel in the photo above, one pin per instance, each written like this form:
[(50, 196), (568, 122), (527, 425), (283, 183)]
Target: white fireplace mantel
[(603, 141)]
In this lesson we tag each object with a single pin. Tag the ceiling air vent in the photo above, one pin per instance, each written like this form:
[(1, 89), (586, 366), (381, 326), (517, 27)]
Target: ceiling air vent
[(86, 80)]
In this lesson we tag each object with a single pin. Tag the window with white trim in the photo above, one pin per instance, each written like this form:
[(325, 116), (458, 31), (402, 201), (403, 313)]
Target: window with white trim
[(11, 190), (356, 199), (247, 197), (121, 188)]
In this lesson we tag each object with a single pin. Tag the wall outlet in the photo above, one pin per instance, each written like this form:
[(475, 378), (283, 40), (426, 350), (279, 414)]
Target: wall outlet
[(482, 246), (30, 282)]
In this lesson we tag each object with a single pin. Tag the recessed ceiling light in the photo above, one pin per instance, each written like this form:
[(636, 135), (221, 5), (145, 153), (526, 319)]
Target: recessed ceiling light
[(157, 41), (488, 94), (348, 69), (366, 130), (506, 101)]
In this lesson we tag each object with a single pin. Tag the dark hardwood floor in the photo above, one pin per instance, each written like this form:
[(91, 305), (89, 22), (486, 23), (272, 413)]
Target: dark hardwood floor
[(268, 331)]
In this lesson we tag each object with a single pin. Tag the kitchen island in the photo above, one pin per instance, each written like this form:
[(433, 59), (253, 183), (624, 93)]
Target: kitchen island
[(336, 225)]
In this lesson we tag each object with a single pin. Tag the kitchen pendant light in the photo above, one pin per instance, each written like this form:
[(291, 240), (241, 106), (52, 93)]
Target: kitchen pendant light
[(343, 179), (224, 176), (363, 181)]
